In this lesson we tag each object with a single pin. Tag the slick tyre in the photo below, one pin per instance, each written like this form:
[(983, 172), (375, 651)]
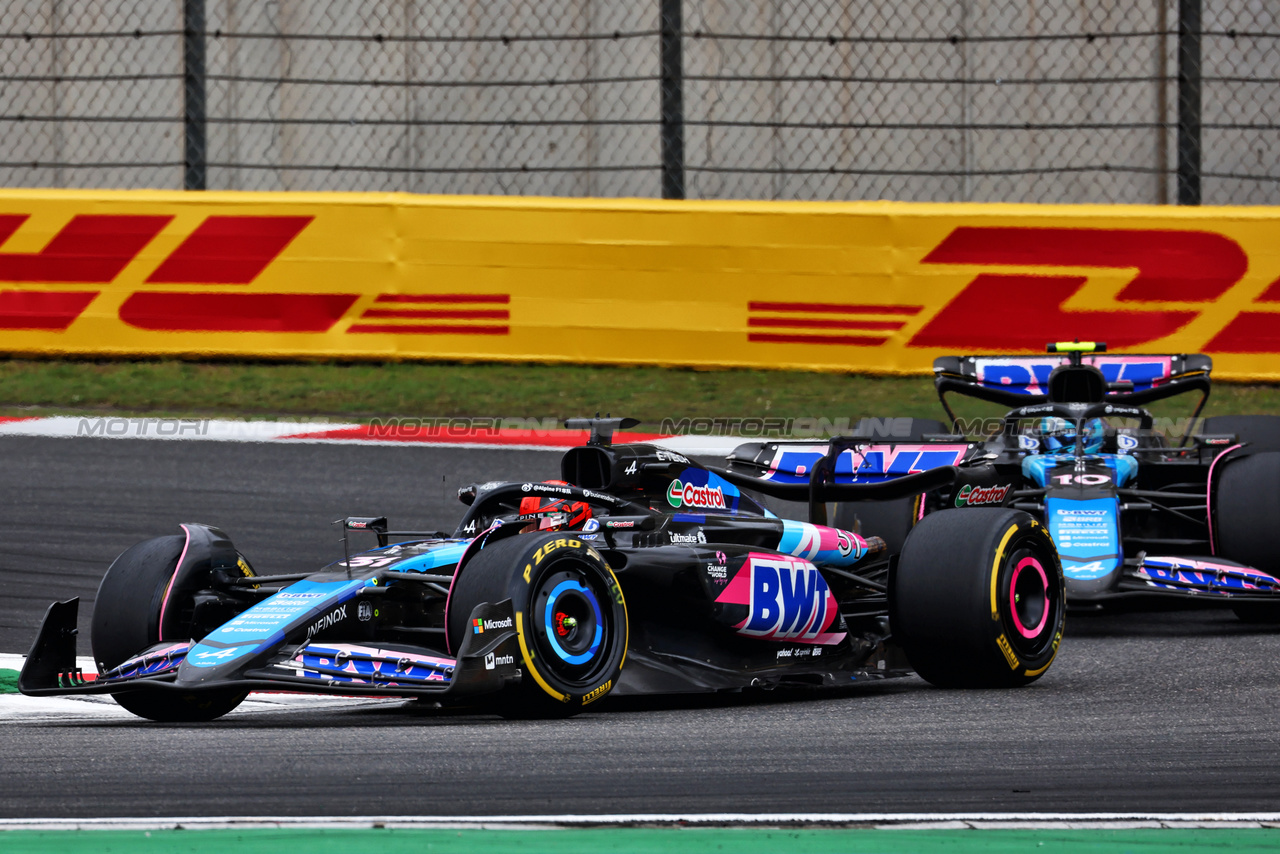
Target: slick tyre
[(891, 521), (977, 599), (571, 619), (1262, 432), (127, 616), (1245, 506)]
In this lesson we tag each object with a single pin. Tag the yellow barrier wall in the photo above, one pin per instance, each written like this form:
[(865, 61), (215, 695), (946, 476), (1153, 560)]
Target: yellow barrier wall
[(876, 286)]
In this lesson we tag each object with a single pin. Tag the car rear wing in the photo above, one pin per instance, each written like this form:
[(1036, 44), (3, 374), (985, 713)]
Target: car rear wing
[(847, 461), (847, 469), (1023, 380)]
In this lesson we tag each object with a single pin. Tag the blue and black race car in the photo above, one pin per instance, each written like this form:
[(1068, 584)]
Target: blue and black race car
[(1134, 509), (638, 571)]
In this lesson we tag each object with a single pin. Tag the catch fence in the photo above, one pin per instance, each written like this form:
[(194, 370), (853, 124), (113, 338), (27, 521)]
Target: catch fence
[(1153, 101)]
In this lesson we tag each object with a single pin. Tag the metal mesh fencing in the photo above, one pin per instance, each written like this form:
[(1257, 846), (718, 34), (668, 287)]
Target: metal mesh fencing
[(553, 97), (90, 94), (986, 101), (1154, 101), (1240, 102)]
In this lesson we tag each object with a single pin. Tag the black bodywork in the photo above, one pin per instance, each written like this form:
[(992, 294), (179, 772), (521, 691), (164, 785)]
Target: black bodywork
[(682, 540), (1135, 509)]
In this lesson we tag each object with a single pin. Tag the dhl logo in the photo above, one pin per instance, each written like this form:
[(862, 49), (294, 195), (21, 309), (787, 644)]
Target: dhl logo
[(93, 249), (1179, 274), (1001, 289)]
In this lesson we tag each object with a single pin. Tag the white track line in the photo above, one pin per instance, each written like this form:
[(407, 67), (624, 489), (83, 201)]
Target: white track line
[(226, 430), (170, 429), (901, 821)]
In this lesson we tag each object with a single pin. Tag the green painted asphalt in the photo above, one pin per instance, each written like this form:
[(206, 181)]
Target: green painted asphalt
[(8, 681), (685, 840)]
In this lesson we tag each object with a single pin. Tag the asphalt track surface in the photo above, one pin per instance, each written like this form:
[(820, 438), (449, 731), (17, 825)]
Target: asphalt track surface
[(1165, 711)]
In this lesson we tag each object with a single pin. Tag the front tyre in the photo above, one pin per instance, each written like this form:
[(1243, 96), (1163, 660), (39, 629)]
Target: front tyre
[(144, 598), (977, 599), (570, 618)]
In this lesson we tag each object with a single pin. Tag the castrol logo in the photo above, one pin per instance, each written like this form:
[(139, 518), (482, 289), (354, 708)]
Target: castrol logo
[(973, 496), (681, 494)]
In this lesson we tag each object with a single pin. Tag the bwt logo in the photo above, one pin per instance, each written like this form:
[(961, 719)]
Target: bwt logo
[(1031, 375), (789, 600)]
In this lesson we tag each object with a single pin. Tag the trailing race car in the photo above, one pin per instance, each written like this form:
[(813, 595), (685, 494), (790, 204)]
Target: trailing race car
[(1132, 511), (640, 571)]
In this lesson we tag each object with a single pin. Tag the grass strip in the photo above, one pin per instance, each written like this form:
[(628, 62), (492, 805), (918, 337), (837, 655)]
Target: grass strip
[(8, 681), (687, 840), (361, 391)]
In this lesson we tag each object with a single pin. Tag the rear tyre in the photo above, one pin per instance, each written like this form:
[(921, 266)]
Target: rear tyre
[(570, 616), (127, 619), (1246, 503), (891, 521), (1262, 432), (977, 599)]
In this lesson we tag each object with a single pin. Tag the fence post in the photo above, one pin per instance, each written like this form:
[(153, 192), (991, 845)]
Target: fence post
[(672, 74), (1189, 102), (195, 152)]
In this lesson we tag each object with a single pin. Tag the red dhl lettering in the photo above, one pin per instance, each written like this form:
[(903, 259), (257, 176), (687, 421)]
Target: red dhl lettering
[(90, 249), (1173, 266), (1176, 275), (1184, 270), (436, 314), (96, 248), (229, 250)]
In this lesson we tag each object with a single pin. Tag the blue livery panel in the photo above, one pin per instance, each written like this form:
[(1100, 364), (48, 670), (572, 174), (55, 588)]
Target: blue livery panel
[(1087, 535), (265, 624)]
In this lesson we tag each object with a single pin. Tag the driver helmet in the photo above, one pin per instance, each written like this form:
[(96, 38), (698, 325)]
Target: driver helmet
[(554, 514), (1059, 435)]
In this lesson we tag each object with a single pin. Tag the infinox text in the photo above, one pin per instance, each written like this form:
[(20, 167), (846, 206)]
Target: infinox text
[(336, 615)]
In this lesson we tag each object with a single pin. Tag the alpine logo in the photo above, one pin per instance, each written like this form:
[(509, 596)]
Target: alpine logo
[(974, 496), (681, 494)]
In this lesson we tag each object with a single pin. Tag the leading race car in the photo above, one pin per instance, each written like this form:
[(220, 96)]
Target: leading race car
[(1133, 511), (640, 571)]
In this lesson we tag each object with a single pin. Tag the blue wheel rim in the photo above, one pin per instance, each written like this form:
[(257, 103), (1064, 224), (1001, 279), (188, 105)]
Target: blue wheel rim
[(559, 590)]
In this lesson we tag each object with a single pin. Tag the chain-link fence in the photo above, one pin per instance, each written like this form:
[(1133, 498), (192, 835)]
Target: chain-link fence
[(986, 100)]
